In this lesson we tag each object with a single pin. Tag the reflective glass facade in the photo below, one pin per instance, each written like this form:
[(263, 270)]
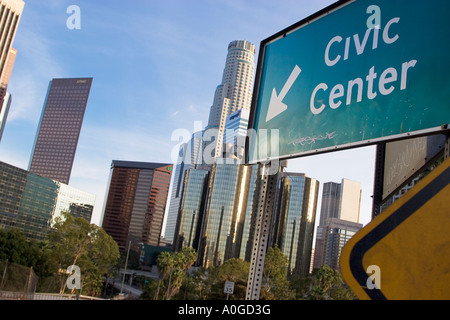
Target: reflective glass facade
[(136, 202), (294, 219), (31, 203), (252, 189), (192, 208), (226, 228), (331, 238), (59, 128), (177, 190)]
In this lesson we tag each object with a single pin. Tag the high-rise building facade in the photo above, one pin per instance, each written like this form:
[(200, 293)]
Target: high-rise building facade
[(235, 91), (59, 128), (10, 13), (294, 218), (4, 112), (235, 133), (4, 80), (350, 203), (136, 202), (176, 193), (192, 208), (226, 229), (331, 200), (339, 221), (341, 200), (331, 238), (31, 203), (219, 211), (236, 125)]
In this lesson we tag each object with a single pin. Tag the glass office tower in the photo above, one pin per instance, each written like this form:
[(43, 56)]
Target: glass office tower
[(226, 230), (136, 202), (31, 203), (177, 191), (294, 218), (59, 128), (191, 208)]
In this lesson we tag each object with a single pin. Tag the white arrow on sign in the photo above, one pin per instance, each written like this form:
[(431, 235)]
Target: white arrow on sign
[(276, 105)]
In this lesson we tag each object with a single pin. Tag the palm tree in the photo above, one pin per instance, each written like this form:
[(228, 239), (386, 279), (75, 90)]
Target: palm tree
[(165, 264)]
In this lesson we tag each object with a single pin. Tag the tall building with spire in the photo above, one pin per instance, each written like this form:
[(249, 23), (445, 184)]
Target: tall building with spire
[(235, 91)]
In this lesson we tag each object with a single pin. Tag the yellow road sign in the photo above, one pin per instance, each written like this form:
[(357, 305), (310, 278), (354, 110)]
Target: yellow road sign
[(404, 253)]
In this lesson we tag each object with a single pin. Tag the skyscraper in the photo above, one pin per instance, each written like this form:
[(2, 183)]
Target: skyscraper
[(339, 221), (10, 13), (227, 222), (341, 200), (235, 91), (350, 200), (331, 200), (331, 238), (220, 210), (294, 218), (4, 109), (6, 75), (59, 128), (177, 191), (191, 208), (136, 201), (235, 132)]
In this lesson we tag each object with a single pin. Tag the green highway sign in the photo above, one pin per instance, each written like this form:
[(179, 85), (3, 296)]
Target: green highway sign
[(355, 73)]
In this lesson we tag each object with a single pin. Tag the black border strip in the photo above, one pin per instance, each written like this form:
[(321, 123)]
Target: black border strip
[(387, 226)]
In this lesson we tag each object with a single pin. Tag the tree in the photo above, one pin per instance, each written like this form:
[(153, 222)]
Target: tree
[(183, 260), (172, 268), (76, 242), (275, 283), (16, 248), (165, 263), (234, 270), (327, 284)]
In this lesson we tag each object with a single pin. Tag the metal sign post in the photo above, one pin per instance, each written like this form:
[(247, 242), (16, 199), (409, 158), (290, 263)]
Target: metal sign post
[(262, 230)]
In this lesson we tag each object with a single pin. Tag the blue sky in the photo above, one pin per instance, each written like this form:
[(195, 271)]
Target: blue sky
[(155, 65)]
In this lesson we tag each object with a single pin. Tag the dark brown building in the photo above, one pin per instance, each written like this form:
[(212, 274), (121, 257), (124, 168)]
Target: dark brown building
[(136, 202), (59, 128)]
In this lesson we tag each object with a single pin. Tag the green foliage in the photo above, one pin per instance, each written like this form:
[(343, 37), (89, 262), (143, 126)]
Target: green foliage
[(234, 270), (16, 248), (208, 283), (276, 286), (323, 284), (77, 242), (172, 269), (72, 242)]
